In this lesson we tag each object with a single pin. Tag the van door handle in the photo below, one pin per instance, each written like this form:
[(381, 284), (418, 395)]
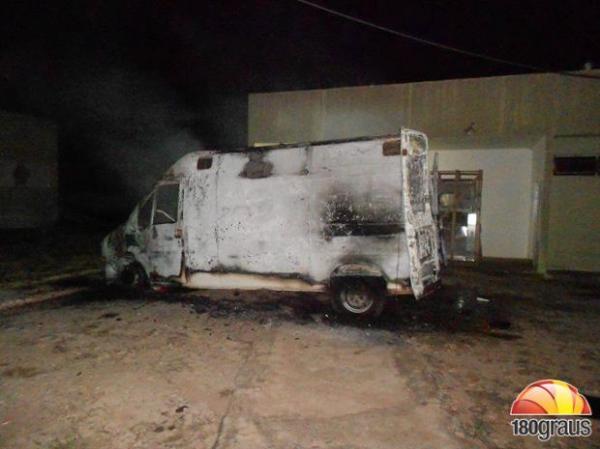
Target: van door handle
[(178, 233)]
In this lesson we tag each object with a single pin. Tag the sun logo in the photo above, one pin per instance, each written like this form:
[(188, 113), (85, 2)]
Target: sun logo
[(550, 397)]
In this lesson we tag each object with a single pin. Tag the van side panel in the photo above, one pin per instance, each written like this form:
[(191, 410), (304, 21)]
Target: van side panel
[(356, 209), (296, 213), (200, 217), (262, 214)]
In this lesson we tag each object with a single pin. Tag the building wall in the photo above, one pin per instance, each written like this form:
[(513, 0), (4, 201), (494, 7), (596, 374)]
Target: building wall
[(497, 106), (574, 219), (28, 171), (525, 111)]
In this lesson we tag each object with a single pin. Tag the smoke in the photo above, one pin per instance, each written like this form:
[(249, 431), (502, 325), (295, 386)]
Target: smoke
[(130, 128), (139, 161), (120, 129)]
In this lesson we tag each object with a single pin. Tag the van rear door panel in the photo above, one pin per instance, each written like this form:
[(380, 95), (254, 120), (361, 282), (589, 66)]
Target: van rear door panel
[(421, 230)]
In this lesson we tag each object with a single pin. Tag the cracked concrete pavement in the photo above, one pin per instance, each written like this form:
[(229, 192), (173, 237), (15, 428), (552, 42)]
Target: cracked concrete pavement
[(131, 374), (221, 370)]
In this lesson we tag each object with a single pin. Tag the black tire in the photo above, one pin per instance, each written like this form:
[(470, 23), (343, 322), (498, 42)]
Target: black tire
[(358, 297), (134, 276)]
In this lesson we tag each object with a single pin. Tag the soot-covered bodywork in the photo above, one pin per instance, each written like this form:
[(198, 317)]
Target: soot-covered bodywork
[(288, 218)]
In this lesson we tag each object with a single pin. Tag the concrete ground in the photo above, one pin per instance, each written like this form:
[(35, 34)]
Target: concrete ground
[(102, 368)]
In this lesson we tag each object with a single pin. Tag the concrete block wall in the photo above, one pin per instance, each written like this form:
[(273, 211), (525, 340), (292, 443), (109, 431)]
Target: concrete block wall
[(28, 171)]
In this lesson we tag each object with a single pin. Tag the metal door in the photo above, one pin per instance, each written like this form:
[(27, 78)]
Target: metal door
[(165, 246), (421, 231)]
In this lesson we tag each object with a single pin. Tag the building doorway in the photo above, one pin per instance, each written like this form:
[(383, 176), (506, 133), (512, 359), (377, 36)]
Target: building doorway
[(459, 196)]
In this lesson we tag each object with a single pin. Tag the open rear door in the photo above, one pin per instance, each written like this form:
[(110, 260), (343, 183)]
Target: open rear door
[(421, 230)]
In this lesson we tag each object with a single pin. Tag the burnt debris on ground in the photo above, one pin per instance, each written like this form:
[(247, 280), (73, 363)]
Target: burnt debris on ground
[(453, 309), (488, 310)]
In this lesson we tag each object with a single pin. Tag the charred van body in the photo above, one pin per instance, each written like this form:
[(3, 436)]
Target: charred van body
[(353, 217)]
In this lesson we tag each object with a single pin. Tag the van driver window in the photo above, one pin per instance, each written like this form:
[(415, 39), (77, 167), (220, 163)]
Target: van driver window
[(167, 201), (145, 213)]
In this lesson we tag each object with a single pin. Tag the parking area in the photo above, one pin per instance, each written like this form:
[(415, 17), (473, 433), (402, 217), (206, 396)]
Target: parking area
[(101, 368)]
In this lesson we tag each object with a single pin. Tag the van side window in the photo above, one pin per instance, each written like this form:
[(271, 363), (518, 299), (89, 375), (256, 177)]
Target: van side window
[(204, 163), (167, 202), (145, 213)]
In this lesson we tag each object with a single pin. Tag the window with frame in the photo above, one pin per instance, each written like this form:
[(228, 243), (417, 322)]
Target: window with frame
[(576, 165), (167, 204)]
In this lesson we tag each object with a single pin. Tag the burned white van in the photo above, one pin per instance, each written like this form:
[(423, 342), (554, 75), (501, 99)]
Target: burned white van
[(352, 217)]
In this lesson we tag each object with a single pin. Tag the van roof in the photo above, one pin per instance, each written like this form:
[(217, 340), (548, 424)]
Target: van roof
[(278, 146), (182, 165)]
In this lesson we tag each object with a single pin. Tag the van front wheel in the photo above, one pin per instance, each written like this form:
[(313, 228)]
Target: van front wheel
[(358, 297), (134, 276)]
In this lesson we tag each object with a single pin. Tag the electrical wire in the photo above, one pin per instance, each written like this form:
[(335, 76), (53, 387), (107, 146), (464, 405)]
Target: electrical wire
[(439, 45)]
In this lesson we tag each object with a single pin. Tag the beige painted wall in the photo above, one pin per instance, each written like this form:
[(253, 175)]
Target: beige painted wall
[(574, 215), (498, 106), (506, 207)]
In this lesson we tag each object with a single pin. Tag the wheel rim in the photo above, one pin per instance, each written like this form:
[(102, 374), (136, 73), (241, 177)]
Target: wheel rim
[(356, 300), (131, 277), (136, 279)]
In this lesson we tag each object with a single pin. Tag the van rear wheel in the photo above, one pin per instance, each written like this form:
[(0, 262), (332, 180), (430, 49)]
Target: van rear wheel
[(358, 297)]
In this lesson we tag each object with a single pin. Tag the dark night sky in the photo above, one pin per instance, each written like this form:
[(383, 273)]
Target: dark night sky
[(129, 79), (281, 44)]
